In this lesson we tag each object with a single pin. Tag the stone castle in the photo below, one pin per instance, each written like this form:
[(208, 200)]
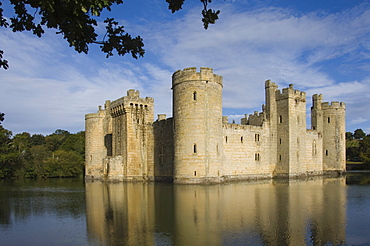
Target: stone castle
[(199, 145)]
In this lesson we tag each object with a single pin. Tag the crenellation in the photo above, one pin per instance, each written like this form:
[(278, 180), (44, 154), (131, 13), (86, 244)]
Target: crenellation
[(290, 92), (199, 145), (333, 105), (191, 75)]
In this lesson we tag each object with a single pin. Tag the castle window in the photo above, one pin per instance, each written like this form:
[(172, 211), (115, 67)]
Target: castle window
[(161, 156), (241, 139), (195, 173), (256, 137), (194, 95), (279, 157), (314, 150), (281, 119), (226, 139), (257, 156), (328, 119), (195, 148), (326, 152), (280, 140)]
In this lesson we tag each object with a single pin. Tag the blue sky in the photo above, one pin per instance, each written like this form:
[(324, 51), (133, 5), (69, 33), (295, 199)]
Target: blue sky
[(319, 46)]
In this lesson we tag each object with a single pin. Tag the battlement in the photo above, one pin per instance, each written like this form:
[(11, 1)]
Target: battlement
[(132, 100), (161, 117), (99, 114), (133, 93), (317, 101), (269, 84), (333, 105), (191, 75), (290, 92), (241, 127), (163, 122)]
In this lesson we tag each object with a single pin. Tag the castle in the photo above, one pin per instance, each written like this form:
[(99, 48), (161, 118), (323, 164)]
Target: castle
[(199, 145)]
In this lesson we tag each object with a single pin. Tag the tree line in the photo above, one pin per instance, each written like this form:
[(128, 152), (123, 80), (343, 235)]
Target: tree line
[(358, 146), (60, 154)]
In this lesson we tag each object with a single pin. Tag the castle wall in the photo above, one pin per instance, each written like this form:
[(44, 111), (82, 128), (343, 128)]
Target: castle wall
[(198, 145), (313, 156), (246, 152), (163, 145)]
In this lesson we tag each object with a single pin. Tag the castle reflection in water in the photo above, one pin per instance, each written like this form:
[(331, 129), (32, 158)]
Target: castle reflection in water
[(262, 213)]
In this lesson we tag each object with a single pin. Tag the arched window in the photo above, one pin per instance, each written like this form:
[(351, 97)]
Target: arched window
[(195, 148), (194, 95)]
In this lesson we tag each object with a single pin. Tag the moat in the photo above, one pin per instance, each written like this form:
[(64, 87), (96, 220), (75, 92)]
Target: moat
[(317, 211)]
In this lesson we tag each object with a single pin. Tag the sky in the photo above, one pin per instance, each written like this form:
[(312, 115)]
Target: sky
[(320, 46)]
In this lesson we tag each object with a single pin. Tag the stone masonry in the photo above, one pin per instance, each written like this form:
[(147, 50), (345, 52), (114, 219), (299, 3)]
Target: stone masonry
[(199, 145)]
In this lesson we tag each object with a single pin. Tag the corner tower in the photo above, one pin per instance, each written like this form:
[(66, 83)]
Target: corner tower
[(197, 113), (330, 121)]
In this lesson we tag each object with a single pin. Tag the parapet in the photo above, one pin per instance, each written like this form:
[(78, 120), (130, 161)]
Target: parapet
[(161, 117), (132, 99), (269, 84), (290, 93), (191, 75), (255, 119), (317, 101), (133, 93), (333, 105)]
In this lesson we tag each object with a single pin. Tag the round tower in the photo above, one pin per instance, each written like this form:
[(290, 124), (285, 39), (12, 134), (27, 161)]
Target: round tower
[(197, 114), (95, 150), (334, 137)]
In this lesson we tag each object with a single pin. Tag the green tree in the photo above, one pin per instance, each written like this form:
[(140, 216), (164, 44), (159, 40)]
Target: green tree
[(76, 22), (37, 139), (54, 140), (9, 157), (64, 164), (359, 134), (349, 136), (75, 142), (36, 167), (22, 142)]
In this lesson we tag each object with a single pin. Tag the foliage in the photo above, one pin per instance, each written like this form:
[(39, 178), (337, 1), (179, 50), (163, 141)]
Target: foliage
[(349, 136), (60, 154), (358, 149), (359, 134), (76, 22)]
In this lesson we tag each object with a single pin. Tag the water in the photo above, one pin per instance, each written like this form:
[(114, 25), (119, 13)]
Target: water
[(332, 211)]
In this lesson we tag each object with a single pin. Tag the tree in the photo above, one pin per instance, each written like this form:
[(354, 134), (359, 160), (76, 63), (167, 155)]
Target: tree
[(22, 141), (37, 139), (359, 134), (53, 141), (349, 136), (76, 21), (8, 155), (1, 114)]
